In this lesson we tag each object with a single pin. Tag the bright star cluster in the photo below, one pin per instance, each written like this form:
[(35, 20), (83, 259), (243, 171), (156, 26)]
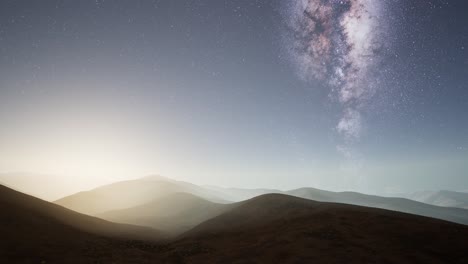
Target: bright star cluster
[(342, 44)]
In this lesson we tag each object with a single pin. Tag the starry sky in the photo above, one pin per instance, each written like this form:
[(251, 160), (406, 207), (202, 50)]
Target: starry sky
[(358, 95)]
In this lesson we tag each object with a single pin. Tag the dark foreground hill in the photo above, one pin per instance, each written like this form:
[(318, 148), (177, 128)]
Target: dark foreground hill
[(271, 228), (445, 205), (277, 228), (35, 231)]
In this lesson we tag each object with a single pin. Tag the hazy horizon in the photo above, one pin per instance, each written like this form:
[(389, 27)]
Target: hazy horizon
[(64, 186), (254, 94)]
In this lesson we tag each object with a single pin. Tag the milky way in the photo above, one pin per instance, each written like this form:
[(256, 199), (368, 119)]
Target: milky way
[(342, 44)]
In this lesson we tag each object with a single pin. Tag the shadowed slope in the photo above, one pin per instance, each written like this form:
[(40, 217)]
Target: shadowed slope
[(276, 228), (34, 230), (18, 205), (174, 214)]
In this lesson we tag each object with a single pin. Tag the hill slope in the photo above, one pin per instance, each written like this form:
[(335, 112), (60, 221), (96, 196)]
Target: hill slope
[(126, 194), (174, 214), (34, 230), (442, 198), (435, 205), (16, 204), (276, 228), (271, 228), (456, 215), (240, 194)]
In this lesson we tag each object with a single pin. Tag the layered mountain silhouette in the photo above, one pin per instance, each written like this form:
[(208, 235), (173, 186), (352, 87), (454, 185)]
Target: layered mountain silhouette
[(270, 228), (174, 213), (126, 194), (136, 193), (276, 228), (431, 205), (441, 198), (456, 215), (240, 194)]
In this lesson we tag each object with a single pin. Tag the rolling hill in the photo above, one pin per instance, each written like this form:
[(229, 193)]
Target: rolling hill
[(271, 228), (456, 215), (240, 194), (36, 231), (442, 198), (437, 204), (127, 194), (174, 213), (277, 228), (134, 193), (18, 202)]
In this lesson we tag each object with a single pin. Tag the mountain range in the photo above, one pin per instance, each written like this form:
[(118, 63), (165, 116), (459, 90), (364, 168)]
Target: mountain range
[(269, 228), (441, 198), (119, 198)]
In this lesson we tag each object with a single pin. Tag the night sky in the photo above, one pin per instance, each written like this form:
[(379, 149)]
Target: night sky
[(341, 95)]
